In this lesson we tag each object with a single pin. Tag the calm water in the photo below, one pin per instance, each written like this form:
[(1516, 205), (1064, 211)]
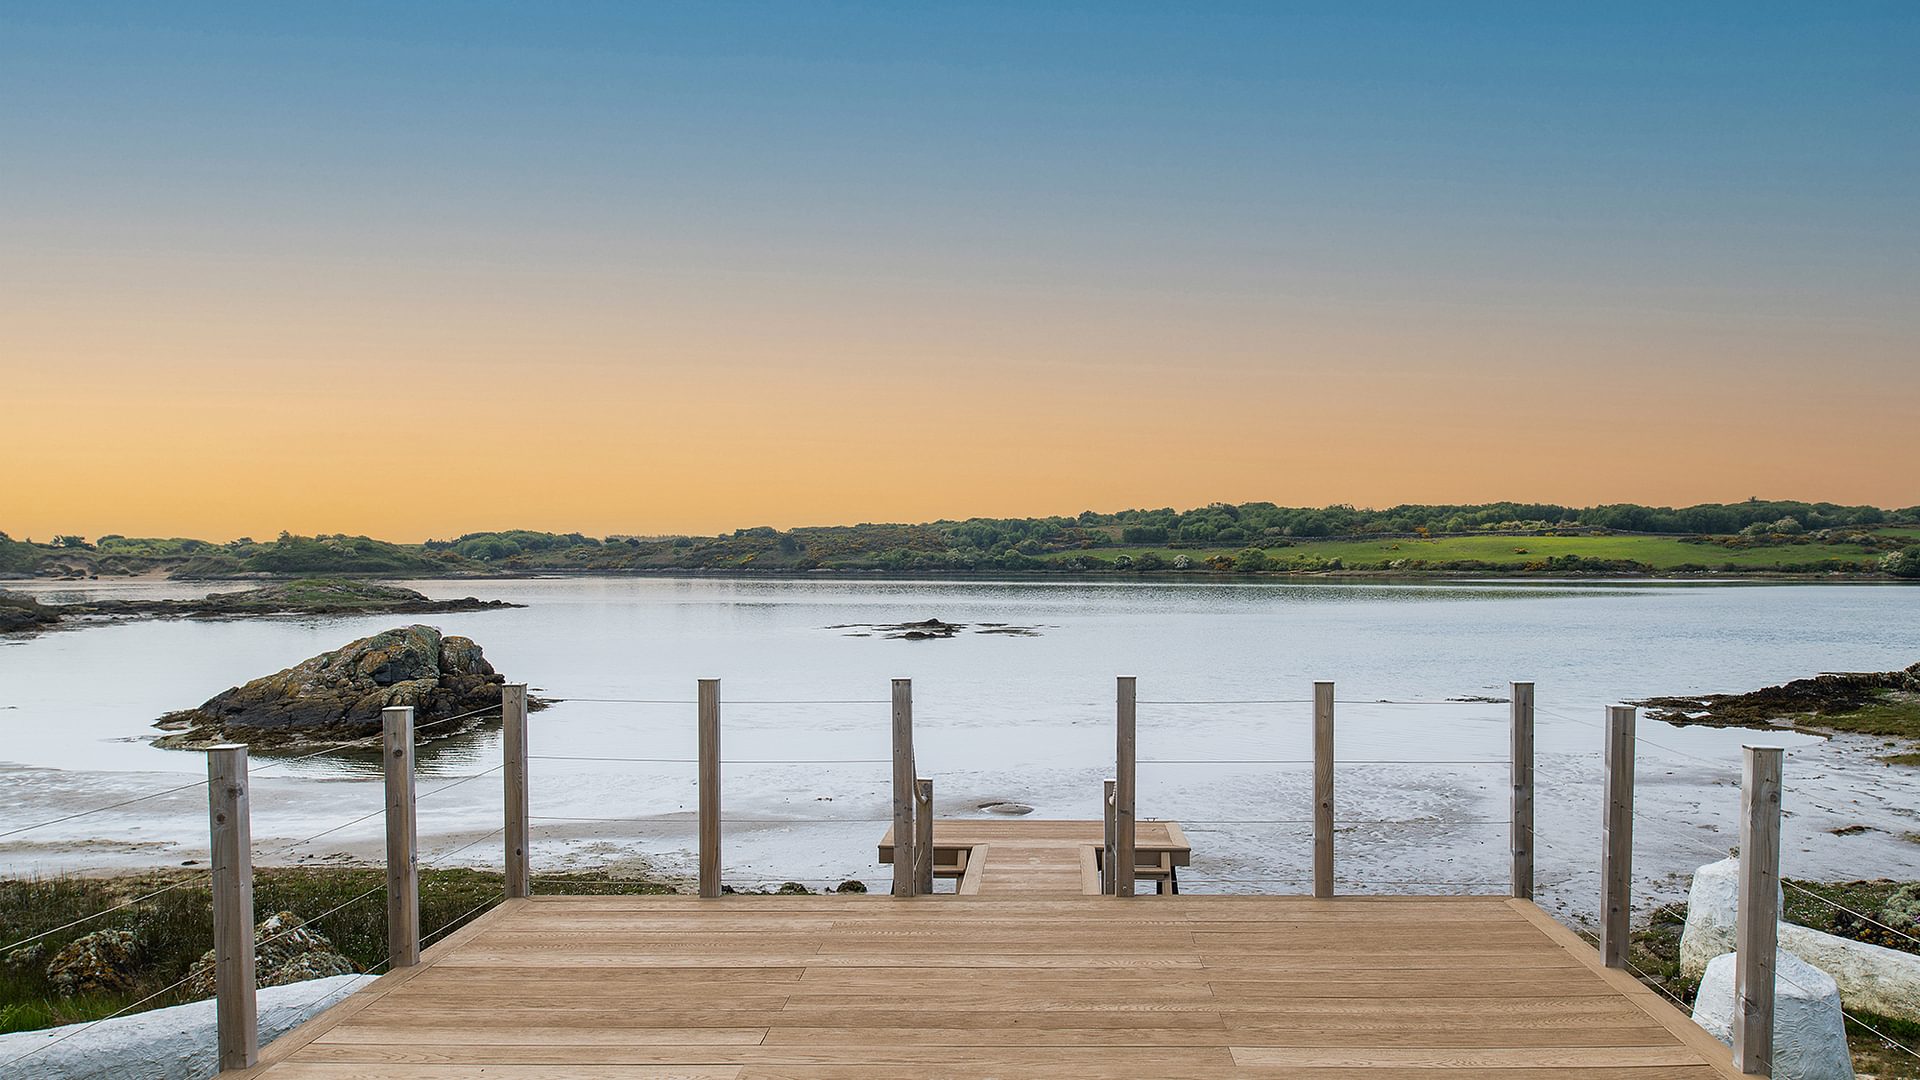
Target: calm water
[(1026, 718)]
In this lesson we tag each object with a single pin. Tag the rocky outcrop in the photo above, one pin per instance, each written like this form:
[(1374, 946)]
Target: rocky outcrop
[(102, 962), (339, 694), (21, 614), (1809, 1031), (286, 951), (306, 596), (176, 1043), (1876, 979), (1815, 699)]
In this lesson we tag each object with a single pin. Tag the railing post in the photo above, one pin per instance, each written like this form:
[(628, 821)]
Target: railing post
[(231, 837), (709, 720), (1521, 693), (1757, 926), (513, 751), (1124, 835), (923, 836), (403, 857), (1110, 851), (903, 777), (1323, 789), (1616, 837)]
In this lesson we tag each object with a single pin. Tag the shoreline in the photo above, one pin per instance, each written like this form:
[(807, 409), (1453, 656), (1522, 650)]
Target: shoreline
[(881, 574)]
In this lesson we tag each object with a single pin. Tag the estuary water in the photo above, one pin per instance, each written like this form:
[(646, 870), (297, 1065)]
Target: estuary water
[(1023, 713)]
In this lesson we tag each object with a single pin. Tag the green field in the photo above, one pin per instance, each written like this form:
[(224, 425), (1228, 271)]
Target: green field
[(1521, 552)]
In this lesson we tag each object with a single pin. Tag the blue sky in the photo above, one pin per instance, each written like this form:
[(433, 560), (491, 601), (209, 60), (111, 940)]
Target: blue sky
[(1262, 194)]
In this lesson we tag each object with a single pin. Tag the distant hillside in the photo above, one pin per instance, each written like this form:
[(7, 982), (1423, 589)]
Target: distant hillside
[(1753, 537)]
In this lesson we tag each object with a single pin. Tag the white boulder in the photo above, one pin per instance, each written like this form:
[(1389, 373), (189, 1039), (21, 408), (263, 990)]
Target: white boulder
[(176, 1043), (1871, 978), (1809, 1034)]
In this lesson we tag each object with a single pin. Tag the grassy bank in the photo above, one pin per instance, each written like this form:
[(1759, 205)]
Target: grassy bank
[(1879, 705), (1655, 951), (1753, 537), (173, 928)]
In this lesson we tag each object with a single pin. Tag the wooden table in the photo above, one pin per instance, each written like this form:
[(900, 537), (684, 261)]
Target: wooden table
[(1028, 856)]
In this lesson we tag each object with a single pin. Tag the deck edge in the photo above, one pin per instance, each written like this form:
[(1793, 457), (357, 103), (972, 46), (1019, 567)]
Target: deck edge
[(1717, 1054), (286, 1045)]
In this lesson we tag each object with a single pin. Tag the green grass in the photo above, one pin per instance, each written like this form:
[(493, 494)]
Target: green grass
[(1893, 715), (1522, 552)]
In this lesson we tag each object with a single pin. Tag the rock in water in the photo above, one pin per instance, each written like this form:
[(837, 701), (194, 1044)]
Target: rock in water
[(1809, 1032), (340, 694)]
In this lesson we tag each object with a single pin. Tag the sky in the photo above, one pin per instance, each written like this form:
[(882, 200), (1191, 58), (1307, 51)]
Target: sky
[(416, 270)]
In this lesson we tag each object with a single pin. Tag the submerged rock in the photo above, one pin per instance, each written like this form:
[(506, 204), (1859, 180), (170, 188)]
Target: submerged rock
[(339, 694), (102, 962), (286, 951)]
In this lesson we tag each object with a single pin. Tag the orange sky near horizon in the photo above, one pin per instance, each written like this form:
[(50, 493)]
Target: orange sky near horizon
[(214, 413)]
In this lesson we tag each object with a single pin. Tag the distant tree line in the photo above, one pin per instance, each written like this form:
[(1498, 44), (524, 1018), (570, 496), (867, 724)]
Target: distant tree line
[(1220, 537)]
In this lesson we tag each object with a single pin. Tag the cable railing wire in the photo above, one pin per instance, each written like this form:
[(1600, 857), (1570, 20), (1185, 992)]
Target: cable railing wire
[(432, 859), (90, 1025), (733, 701), (366, 740), (1855, 1017), (467, 779), (631, 760), (1185, 822), (1310, 761), (122, 906), (1310, 701), (1842, 907), (458, 920), (103, 808), (334, 910), (724, 761)]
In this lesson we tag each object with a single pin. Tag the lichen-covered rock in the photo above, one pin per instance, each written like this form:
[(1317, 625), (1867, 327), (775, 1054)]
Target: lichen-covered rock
[(102, 962), (1809, 1032), (1902, 909), (1871, 977), (339, 694), (286, 951)]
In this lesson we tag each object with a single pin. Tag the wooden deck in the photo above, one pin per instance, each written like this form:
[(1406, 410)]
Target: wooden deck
[(816, 987)]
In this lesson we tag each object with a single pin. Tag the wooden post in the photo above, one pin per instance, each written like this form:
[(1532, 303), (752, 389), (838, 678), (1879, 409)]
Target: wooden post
[(1521, 694), (1616, 851), (709, 720), (229, 820), (1124, 836), (1757, 926), (923, 836), (903, 777), (1323, 789), (1110, 851), (513, 750), (403, 855)]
